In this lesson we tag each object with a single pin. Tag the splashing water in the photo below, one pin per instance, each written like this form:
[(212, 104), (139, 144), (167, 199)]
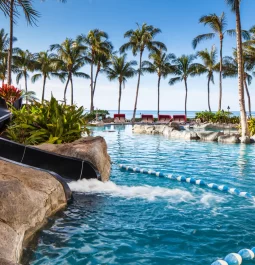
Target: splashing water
[(149, 193)]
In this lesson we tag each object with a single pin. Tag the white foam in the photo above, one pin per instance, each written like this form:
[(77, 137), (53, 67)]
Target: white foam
[(143, 192), (209, 199)]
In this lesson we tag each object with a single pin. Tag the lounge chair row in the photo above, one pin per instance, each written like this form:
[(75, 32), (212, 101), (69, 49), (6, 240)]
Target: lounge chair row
[(121, 118)]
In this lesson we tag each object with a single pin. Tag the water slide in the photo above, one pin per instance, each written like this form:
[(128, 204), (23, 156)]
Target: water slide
[(71, 169)]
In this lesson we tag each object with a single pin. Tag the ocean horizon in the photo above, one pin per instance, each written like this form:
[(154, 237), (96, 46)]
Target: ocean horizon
[(190, 114)]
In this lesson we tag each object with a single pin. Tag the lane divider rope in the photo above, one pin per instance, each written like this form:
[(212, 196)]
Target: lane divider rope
[(237, 258), (194, 181), (232, 258)]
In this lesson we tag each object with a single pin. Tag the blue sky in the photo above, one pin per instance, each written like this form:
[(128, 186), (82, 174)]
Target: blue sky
[(178, 20)]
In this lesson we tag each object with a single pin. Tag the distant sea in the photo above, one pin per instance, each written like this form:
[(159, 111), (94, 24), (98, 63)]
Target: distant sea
[(190, 114)]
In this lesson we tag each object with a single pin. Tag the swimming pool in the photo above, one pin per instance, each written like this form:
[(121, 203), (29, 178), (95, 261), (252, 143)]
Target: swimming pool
[(143, 219)]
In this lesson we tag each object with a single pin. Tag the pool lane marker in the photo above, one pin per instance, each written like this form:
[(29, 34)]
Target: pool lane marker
[(194, 181), (236, 258)]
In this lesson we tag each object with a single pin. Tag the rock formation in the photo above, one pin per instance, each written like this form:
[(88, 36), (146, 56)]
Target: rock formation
[(27, 198), (93, 149)]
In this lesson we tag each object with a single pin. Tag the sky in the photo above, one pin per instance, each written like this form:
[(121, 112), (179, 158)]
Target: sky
[(178, 20)]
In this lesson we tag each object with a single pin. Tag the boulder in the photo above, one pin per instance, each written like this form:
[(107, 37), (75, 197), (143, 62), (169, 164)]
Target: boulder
[(7, 262), (252, 139), (175, 125), (27, 198), (245, 140), (229, 139), (186, 135), (93, 149), (209, 136)]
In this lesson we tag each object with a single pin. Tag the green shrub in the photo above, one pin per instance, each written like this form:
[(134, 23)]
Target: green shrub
[(251, 126), (49, 122), (218, 117), (101, 114)]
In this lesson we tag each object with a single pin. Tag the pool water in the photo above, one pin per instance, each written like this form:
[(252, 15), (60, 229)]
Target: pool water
[(143, 219)]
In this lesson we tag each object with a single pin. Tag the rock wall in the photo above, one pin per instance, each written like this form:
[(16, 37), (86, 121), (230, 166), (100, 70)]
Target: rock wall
[(173, 133), (93, 149), (27, 198)]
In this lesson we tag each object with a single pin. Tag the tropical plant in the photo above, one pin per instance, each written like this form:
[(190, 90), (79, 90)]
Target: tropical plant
[(97, 43), (183, 69), (139, 40), (161, 65), (10, 93), (218, 26), (46, 65), (209, 66), (29, 96), (50, 122), (71, 60), (25, 63), (235, 7), (251, 126), (230, 67), (218, 117), (121, 70), (11, 8), (101, 114)]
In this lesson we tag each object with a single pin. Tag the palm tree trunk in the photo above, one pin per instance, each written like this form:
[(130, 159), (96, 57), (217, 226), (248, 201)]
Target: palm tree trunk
[(138, 85), (25, 75), (120, 90), (67, 82), (159, 78), (9, 69), (186, 96), (248, 96), (220, 77), (71, 79), (241, 74), (95, 83), (91, 86), (209, 80), (44, 83)]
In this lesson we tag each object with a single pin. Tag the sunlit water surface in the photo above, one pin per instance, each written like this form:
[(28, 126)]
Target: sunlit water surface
[(143, 219)]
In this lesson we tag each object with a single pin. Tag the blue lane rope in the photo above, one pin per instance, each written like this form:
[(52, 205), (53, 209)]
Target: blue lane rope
[(194, 181), (232, 258)]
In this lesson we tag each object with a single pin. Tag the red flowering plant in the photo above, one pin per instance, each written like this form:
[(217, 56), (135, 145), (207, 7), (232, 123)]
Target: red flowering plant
[(10, 93)]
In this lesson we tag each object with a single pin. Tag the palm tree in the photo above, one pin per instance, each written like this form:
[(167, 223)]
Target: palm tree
[(71, 60), (4, 44), (230, 67), (209, 66), (25, 63), (120, 70), (184, 68), (139, 40), (97, 44), (235, 7), (218, 26), (102, 62), (161, 65), (11, 9), (46, 65)]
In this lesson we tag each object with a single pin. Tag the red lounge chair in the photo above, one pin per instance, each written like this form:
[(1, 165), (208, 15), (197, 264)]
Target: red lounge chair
[(164, 118), (147, 118), (119, 118), (180, 118)]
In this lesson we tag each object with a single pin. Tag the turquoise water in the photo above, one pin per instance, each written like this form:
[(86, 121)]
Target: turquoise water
[(142, 219)]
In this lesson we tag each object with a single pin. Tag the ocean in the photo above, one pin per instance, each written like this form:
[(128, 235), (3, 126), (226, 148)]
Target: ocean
[(190, 114)]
